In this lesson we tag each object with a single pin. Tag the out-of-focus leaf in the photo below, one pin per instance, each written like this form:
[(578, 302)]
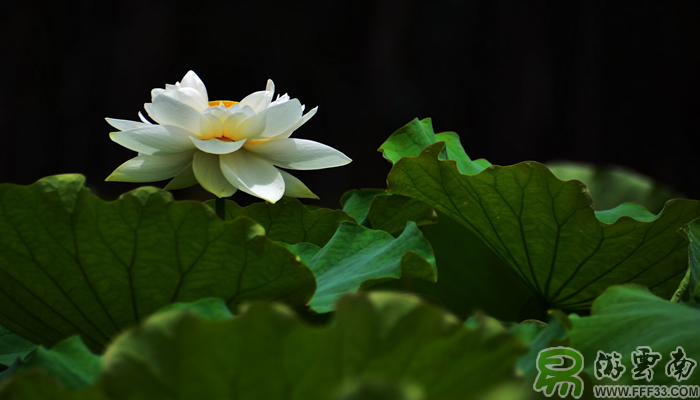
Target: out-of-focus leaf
[(626, 317), (70, 362), (386, 343), (13, 347), (612, 185)]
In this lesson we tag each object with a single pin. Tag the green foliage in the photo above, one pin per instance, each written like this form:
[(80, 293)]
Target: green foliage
[(381, 345), (471, 276), (379, 210), (690, 287), (13, 346), (357, 255), (74, 264), (546, 229), (288, 221), (625, 317), (70, 362), (150, 298), (610, 186)]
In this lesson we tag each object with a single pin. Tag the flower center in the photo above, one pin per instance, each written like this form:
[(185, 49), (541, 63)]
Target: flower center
[(227, 103)]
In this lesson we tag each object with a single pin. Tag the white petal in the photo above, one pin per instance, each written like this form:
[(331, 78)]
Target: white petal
[(155, 139), (231, 124), (298, 154), (144, 120), (208, 172), (191, 80), (124, 125), (213, 126), (253, 175), (250, 128), (299, 123), (168, 111), (280, 100), (293, 187), (145, 168), (218, 112), (279, 118), (270, 87), (258, 101), (182, 180), (216, 146), (247, 110), (189, 96)]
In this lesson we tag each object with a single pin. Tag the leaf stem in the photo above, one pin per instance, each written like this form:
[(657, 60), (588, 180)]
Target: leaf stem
[(221, 208)]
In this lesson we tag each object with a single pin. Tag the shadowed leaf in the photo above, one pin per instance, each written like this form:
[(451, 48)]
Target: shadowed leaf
[(71, 263), (381, 343), (289, 221)]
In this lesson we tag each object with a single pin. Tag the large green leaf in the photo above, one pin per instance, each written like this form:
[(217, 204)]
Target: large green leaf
[(380, 343), (358, 256), (547, 230), (612, 185), (289, 221), (625, 317), (71, 263)]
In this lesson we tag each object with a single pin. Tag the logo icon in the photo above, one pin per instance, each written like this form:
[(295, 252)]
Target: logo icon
[(559, 367)]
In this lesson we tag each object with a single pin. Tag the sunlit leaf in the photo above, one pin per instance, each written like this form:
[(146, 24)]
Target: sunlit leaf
[(357, 256)]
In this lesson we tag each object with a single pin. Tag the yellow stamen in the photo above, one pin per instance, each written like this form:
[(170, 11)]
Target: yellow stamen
[(227, 103)]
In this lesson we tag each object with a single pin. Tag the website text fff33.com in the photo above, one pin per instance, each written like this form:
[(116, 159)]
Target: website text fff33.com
[(559, 367), (646, 391)]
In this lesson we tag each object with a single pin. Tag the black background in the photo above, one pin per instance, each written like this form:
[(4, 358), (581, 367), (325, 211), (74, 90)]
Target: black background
[(598, 81)]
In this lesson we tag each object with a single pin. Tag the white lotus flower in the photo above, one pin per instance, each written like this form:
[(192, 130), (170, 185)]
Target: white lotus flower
[(222, 145)]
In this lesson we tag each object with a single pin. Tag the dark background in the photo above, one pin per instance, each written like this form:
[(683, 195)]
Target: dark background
[(598, 81)]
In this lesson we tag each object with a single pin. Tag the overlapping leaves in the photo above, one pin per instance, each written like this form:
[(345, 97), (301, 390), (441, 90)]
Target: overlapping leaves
[(380, 343), (612, 185), (288, 221), (74, 264), (357, 256), (627, 317), (544, 228)]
